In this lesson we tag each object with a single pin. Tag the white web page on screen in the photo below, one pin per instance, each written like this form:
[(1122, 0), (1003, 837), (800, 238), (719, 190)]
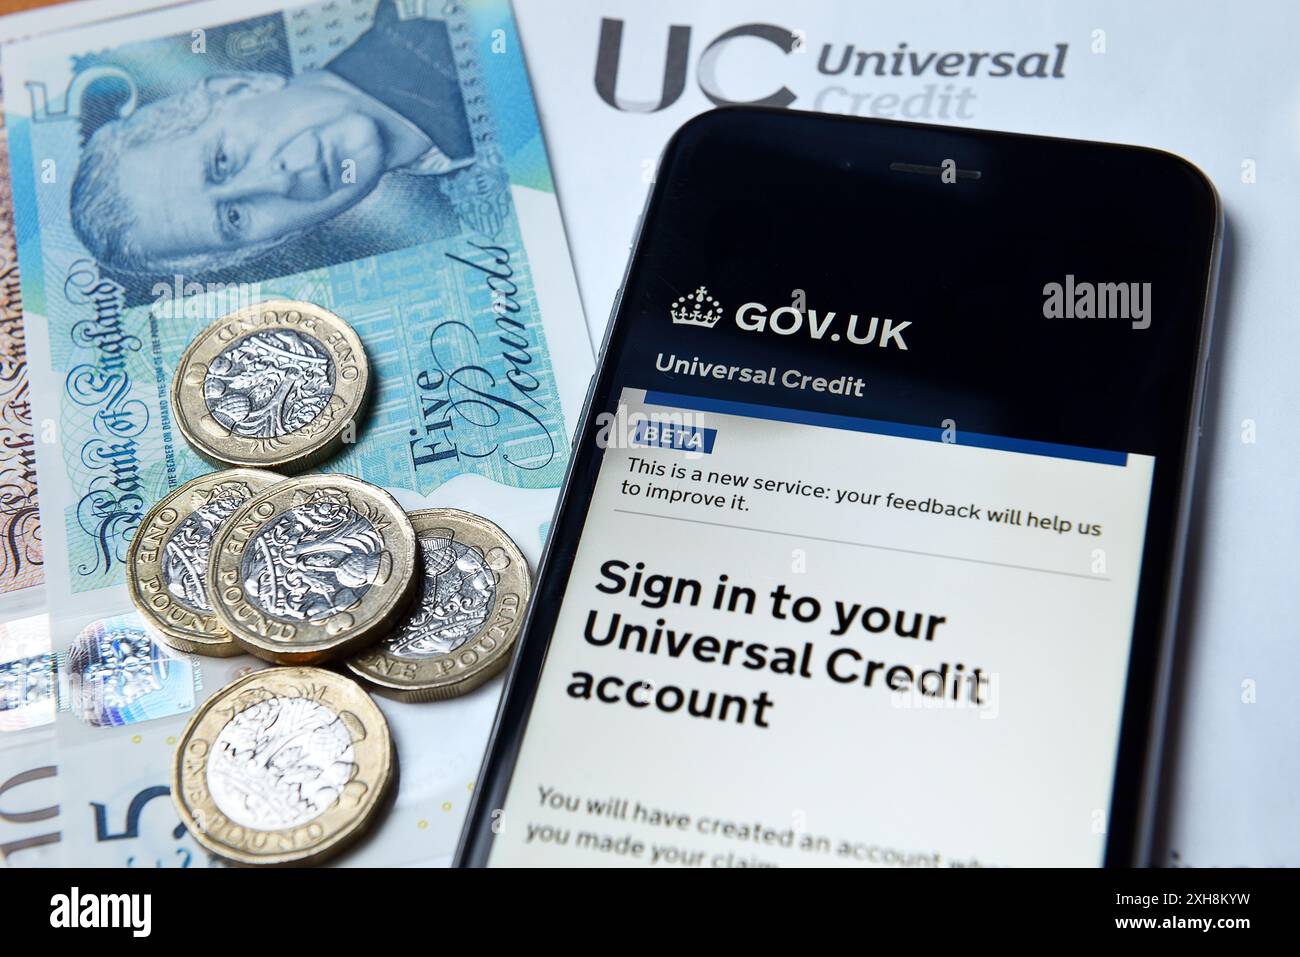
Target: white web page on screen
[(796, 639)]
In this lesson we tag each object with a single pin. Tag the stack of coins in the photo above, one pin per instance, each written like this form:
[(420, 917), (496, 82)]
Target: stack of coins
[(289, 765)]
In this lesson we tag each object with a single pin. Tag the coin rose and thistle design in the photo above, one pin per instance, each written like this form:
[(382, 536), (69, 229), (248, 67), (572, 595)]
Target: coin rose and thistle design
[(314, 568), (280, 763), (463, 627), (458, 593), (269, 384), (284, 766), (315, 560)]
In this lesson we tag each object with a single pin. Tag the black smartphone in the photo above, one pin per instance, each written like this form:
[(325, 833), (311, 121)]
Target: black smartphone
[(870, 547)]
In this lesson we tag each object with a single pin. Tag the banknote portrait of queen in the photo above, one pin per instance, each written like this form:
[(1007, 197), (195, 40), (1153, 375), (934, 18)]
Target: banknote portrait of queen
[(244, 161)]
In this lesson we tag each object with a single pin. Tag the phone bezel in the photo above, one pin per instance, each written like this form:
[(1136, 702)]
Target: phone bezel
[(1132, 815)]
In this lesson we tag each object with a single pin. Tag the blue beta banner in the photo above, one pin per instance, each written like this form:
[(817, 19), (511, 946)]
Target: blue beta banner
[(670, 435)]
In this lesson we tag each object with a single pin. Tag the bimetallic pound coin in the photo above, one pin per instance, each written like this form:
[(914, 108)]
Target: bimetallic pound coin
[(313, 569), (279, 385), (167, 563), (283, 766), (462, 628)]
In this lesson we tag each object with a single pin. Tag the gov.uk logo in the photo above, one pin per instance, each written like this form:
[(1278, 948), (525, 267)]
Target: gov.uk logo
[(697, 309)]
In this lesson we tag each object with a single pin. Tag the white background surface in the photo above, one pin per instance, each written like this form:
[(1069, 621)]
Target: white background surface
[(1217, 83)]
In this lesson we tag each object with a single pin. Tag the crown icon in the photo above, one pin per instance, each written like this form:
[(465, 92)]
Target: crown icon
[(697, 309)]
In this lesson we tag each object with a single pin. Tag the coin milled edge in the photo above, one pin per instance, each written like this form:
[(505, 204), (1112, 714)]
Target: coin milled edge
[(476, 661), (279, 640), (298, 450), (198, 810), (179, 627)]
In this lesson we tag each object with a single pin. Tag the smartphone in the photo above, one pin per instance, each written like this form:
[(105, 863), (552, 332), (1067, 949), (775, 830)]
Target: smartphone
[(870, 545)]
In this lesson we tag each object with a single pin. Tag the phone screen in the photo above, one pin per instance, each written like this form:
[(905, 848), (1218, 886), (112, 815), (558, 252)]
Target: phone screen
[(867, 552)]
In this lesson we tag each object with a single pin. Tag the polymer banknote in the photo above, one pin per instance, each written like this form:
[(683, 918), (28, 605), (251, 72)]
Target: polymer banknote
[(381, 159), (28, 764), (21, 556)]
